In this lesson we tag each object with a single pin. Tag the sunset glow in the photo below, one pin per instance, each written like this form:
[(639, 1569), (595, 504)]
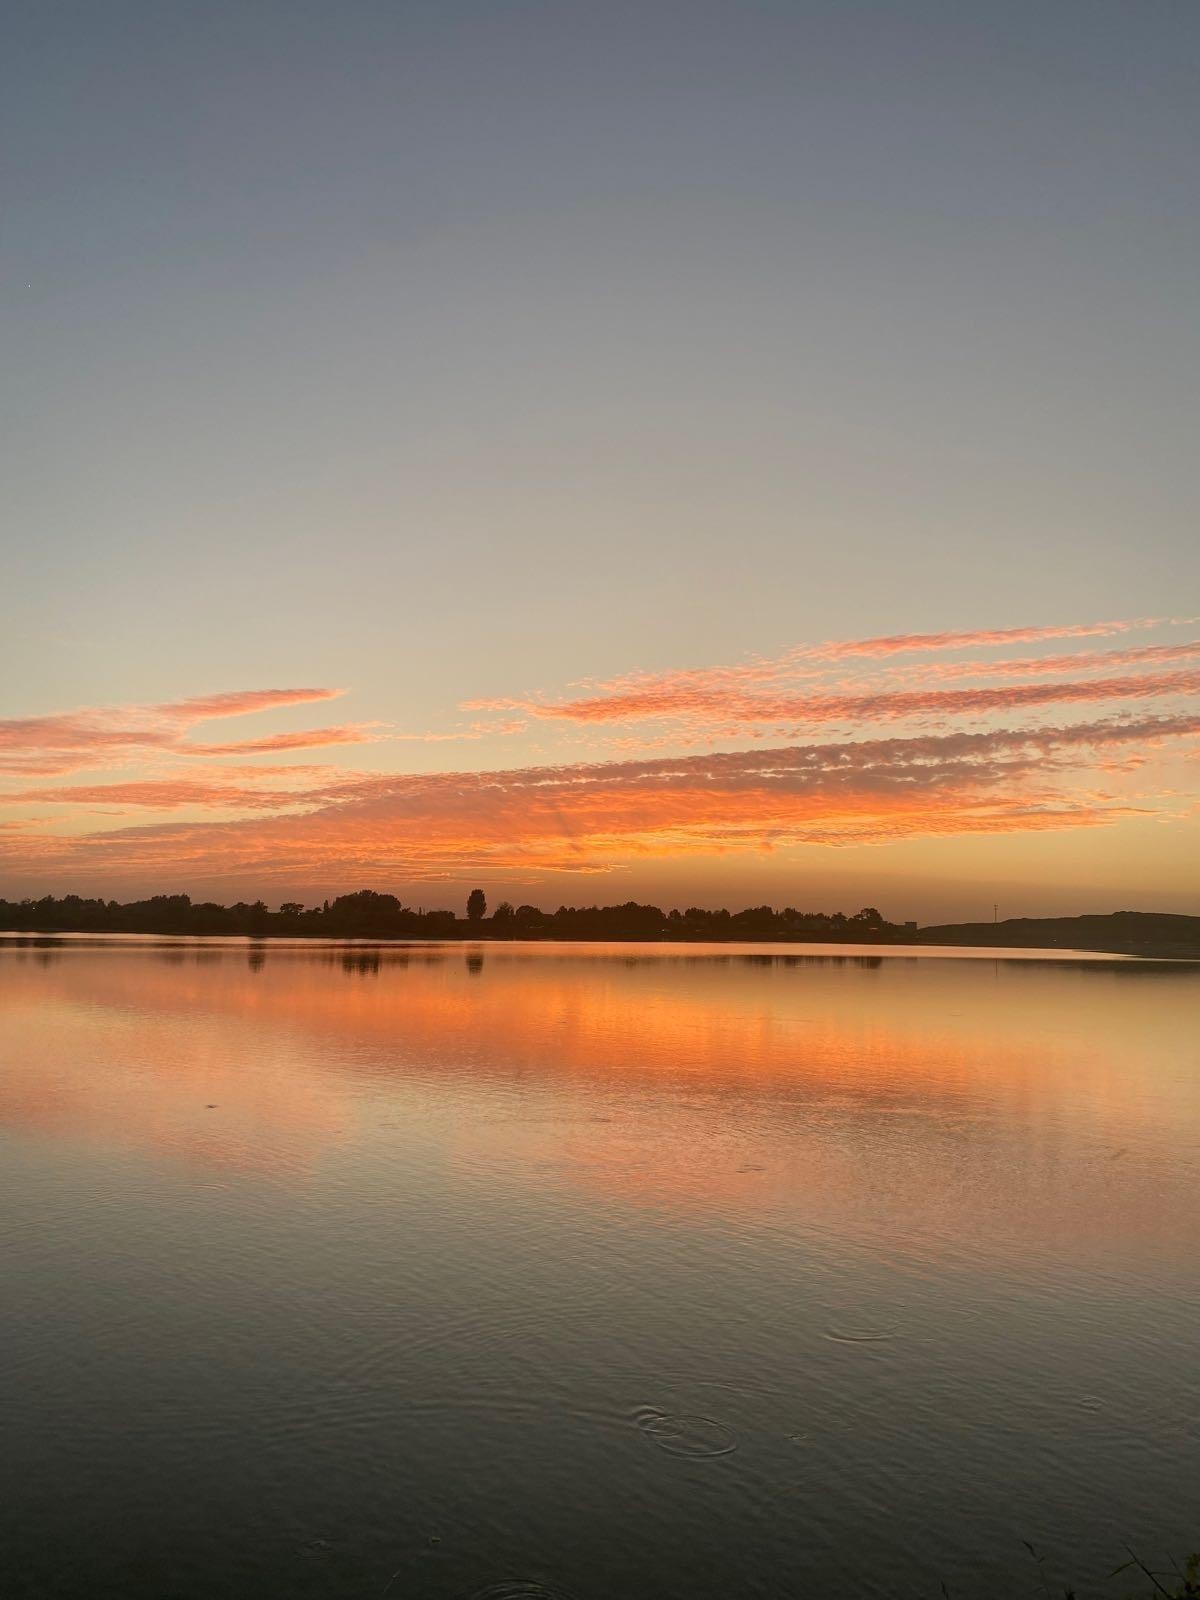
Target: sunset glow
[(131, 797), (562, 1029)]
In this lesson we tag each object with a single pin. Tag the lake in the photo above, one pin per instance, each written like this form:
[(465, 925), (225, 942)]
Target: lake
[(593, 1271)]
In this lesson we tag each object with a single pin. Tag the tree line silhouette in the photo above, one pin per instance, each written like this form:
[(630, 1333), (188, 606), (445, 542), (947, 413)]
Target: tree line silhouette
[(368, 914)]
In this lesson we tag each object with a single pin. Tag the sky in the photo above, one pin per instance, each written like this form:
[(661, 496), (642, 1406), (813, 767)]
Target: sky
[(708, 453)]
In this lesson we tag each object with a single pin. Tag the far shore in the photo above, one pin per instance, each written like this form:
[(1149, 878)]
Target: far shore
[(368, 914)]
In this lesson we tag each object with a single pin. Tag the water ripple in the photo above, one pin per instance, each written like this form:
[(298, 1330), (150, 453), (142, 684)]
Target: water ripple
[(520, 1589), (860, 1335), (678, 1434)]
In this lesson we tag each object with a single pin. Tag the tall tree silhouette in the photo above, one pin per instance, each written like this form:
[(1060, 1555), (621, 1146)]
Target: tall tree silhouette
[(476, 905)]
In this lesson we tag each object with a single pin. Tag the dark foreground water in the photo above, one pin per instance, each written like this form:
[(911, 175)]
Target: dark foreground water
[(614, 1271)]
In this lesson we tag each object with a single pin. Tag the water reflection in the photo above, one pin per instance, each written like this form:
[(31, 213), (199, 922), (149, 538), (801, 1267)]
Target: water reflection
[(772, 1256), (364, 962), (850, 1088)]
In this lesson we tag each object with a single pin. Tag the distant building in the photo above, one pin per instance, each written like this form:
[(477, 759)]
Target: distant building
[(911, 926)]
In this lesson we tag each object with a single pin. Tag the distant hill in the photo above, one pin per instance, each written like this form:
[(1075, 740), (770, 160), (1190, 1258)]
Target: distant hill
[(1134, 933)]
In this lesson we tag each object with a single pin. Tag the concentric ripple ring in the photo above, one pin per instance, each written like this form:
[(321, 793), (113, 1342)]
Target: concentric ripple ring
[(694, 1437)]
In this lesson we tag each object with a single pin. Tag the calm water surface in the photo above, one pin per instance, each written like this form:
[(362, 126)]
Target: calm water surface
[(614, 1270)]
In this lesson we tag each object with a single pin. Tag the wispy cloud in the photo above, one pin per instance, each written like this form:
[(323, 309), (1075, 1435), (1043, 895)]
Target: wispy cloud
[(814, 660), (1145, 655), (476, 730), (106, 735), (303, 739), (910, 643), (238, 703), (724, 708), (953, 741), (860, 682), (166, 794), (591, 817)]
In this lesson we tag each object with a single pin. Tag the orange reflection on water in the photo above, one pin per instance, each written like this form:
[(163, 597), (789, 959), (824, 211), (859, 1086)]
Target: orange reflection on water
[(969, 1098), (123, 1053)]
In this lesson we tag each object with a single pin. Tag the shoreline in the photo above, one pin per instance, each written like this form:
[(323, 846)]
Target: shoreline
[(877, 949)]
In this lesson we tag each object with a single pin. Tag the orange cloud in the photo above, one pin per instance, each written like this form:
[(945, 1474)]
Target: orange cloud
[(723, 709), (289, 826), (304, 739), (1043, 666), (813, 684), (71, 740), (591, 817), (165, 794), (477, 730), (896, 643), (240, 703)]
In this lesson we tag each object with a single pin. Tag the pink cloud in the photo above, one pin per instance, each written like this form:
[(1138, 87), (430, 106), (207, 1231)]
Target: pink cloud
[(239, 703), (69, 741), (718, 700), (897, 643), (477, 730), (290, 825), (166, 794), (725, 709), (1044, 666), (592, 817), (304, 739)]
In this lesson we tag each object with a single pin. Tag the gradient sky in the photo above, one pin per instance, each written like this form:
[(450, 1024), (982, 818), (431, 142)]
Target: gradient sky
[(555, 382)]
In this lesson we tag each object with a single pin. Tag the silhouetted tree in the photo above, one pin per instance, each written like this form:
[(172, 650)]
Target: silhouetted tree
[(370, 914)]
